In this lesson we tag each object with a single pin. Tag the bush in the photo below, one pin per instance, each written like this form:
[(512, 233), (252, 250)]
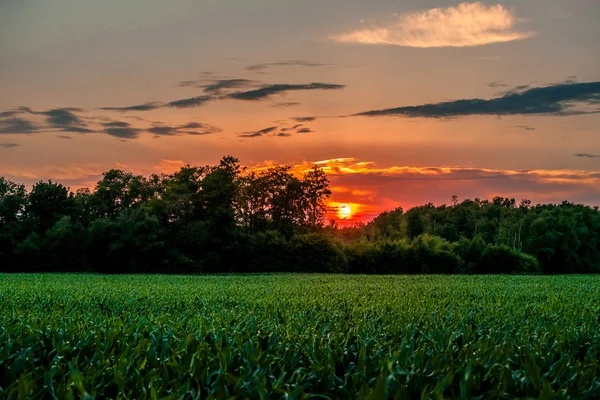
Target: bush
[(432, 255), (315, 252), (505, 260), (387, 257), (265, 252)]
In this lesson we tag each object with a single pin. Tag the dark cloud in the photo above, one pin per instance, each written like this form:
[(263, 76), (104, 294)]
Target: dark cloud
[(63, 137), (57, 119), (66, 120), (304, 119), (587, 155), (525, 127), (283, 134), (285, 105), (191, 128), (63, 117), (297, 126), (16, 125), (270, 90), (558, 99), (304, 130), (261, 132), (496, 84), (190, 102), (139, 107), (117, 124), (217, 86), (260, 68), (121, 130), (223, 84), (8, 145)]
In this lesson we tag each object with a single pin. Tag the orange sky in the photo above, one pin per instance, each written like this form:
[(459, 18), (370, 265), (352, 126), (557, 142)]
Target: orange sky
[(418, 100)]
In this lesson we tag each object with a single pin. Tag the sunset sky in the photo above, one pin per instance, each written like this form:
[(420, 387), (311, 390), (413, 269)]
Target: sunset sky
[(402, 102)]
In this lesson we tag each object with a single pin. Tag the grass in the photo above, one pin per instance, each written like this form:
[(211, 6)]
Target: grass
[(297, 336)]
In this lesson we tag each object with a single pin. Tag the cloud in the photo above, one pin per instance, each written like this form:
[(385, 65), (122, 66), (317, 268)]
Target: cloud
[(16, 125), (285, 105), (168, 166), (219, 85), (260, 68), (121, 130), (57, 119), (525, 127), (304, 130), (270, 90), (464, 25), (191, 128), (259, 133), (190, 102), (587, 155), (63, 117), (139, 107), (496, 84), (63, 137), (390, 186), (8, 145), (558, 100), (304, 119)]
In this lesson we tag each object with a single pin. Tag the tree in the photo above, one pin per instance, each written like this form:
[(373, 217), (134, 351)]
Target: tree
[(316, 190), (13, 199), (48, 203)]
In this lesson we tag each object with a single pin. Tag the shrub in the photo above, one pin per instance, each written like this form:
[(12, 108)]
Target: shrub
[(315, 252), (504, 260)]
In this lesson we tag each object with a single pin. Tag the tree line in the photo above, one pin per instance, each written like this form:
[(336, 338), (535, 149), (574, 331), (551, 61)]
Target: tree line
[(223, 218)]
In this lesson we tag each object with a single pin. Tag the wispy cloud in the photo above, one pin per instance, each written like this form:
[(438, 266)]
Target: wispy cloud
[(121, 130), (221, 90), (559, 100), (389, 186), (304, 119), (16, 125), (8, 145), (253, 134), (260, 68), (587, 155), (496, 84), (270, 90), (219, 86), (467, 24), (525, 127), (191, 128), (139, 107), (18, 121), (285, 104), (190, 102)]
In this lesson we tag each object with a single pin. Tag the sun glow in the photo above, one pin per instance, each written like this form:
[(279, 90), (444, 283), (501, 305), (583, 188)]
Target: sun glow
[(344, 211)]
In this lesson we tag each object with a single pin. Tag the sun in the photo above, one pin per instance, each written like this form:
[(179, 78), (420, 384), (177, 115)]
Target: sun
[(344, 211)]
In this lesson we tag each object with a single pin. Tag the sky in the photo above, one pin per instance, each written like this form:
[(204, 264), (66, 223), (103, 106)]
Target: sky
[(401, 102)]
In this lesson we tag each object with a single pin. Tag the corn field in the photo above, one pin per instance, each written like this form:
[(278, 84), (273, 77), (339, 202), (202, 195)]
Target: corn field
[(299, 336)]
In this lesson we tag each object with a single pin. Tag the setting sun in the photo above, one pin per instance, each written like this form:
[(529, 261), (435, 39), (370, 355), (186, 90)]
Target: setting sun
[(344, 211)]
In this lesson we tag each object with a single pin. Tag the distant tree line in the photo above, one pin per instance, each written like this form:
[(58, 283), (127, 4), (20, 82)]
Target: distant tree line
[(222, 218)]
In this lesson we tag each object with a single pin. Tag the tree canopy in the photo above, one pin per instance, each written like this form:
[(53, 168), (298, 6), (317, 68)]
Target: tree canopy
[(224, 218)]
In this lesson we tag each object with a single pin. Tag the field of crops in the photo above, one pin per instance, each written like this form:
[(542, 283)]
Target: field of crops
[(296, 336)]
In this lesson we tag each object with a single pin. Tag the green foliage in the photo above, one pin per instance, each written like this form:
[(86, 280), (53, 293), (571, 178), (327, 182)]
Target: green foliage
[(299, 336), (316, 253), (222, 219), (503, 260)]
